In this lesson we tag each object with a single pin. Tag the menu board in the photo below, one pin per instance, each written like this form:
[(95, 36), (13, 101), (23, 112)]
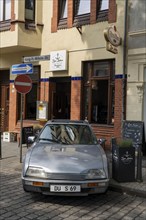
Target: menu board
[(26, 132), (134, 130)]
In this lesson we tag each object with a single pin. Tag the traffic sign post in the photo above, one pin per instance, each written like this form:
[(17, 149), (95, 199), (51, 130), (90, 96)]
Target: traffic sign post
[(23, 85), (21, 126), (23, 68)]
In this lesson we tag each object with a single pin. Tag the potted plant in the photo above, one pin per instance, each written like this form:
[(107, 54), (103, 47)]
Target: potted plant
[(36, 129), (123, 160)]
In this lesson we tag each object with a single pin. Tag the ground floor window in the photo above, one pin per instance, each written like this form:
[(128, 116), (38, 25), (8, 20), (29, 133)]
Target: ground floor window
[(31, 98), (99, 91)]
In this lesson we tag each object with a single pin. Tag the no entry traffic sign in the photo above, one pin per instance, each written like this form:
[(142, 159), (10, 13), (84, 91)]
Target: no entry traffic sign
[(23, 84)]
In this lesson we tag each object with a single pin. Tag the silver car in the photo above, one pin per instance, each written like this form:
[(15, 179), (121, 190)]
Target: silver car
[(65, 159)]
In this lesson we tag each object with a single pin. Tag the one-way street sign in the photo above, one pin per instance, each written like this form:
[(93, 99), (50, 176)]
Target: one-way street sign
[(23, 68), (23, 84)]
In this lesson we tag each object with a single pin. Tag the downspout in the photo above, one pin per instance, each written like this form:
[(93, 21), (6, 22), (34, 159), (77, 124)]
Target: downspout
[(125, 60)]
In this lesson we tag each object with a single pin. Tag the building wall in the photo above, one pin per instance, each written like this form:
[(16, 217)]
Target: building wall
[(136, 60), (90, 45), (136, 96)]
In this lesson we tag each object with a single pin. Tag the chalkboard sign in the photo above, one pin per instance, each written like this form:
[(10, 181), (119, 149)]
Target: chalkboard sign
[(134, 130), (26, 132)]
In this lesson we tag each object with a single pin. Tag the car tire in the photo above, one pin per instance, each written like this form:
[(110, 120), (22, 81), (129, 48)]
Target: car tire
[(24, 188)]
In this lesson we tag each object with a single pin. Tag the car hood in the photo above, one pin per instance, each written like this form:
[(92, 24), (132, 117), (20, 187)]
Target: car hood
[(66, 158)]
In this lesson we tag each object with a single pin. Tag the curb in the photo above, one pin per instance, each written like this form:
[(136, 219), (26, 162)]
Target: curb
[(127, 190)]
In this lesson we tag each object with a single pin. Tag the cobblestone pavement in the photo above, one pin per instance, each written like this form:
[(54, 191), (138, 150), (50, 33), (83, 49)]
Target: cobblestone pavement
[(15, 204)]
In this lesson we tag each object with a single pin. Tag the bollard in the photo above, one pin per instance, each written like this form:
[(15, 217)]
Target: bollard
[(0, 147), (139, 164)]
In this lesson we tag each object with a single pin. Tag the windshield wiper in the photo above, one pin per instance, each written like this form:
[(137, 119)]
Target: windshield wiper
[(51, 140)]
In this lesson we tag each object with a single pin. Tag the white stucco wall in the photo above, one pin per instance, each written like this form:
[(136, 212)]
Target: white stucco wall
[(91, 45), (135, 85)]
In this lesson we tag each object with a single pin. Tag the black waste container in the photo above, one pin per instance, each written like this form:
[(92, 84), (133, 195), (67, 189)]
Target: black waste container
[(123, 163)]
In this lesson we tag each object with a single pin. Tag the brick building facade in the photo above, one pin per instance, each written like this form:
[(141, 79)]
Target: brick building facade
[(81, 35)]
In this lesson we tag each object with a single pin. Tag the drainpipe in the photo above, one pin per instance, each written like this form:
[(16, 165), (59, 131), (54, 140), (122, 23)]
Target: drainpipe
[(125, 60), (0, 146)]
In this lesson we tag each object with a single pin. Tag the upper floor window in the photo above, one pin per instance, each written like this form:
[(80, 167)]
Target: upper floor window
[(5, 10), (104, 5), (76, 13), (82, 7), (30, 10), (63, 8)]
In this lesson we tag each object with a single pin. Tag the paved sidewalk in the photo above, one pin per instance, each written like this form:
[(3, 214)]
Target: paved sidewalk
[(137, 188), (11, 155)]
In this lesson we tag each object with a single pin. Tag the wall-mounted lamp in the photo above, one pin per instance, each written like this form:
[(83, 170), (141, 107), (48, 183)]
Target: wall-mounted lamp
[(140, 91)]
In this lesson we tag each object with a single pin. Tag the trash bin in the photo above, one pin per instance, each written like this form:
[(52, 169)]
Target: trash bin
[(123, 163)]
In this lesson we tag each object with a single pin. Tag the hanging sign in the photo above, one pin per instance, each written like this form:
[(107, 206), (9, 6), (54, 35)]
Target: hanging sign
[(113, 39)]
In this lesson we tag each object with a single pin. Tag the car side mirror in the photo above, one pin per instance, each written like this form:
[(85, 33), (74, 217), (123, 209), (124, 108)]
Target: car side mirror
[(31, 139)]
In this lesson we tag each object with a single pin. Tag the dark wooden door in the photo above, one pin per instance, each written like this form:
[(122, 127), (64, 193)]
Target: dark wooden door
[(4, 107), (61, 101)]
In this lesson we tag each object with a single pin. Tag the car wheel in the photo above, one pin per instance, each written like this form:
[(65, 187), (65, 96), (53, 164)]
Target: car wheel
[(24, 188)]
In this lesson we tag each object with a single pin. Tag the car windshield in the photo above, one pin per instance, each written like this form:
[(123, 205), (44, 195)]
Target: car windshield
[(68, 134)]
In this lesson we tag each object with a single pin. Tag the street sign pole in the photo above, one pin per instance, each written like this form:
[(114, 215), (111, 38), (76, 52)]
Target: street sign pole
[(21, 125), (23, 85)]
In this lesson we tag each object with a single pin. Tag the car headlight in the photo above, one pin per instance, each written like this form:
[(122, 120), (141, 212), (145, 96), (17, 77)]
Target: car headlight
[(36, 172), (95, 174)]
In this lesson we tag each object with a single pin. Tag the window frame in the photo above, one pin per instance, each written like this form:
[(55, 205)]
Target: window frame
[(87, 85)]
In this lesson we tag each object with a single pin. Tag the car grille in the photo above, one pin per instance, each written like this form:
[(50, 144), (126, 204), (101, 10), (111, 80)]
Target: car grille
[(65, 176)]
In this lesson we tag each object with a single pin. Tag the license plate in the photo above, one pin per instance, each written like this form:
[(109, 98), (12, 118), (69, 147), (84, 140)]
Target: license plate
[(65, 188)]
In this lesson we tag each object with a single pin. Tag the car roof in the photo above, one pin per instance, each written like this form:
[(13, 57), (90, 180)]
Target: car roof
[(67, 121)]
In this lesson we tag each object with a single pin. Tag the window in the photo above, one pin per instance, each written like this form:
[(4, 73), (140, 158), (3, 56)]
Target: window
[(81, 12), (104, 5), (30, 10), (63, 8), (5, 10), (82, 7), (102, 10), (98, 91)]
